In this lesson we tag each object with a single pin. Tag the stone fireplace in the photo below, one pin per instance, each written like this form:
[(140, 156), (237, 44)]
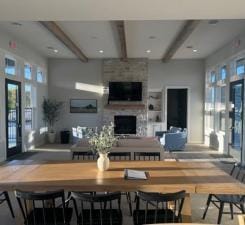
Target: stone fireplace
[(133, 70)]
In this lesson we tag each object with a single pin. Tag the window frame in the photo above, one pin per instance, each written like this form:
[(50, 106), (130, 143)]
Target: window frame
[(7, 57)]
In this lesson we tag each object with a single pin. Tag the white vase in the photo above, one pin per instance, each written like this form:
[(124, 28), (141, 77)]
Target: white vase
[(103, 162), (51, 137)]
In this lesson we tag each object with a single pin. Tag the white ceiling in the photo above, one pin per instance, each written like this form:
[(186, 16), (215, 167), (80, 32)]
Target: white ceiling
[(37, 37), (150, 35), (92, 36), (208, 38), (76, 10)]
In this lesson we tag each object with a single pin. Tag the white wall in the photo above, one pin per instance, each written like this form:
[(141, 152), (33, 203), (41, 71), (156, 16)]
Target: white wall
[(182, 73), (23, 54), (65, 74)]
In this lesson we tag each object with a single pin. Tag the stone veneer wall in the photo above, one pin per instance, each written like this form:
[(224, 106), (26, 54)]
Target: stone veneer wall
[(133, 70)]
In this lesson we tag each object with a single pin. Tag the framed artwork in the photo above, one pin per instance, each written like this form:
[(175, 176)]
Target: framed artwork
[(83, 106)]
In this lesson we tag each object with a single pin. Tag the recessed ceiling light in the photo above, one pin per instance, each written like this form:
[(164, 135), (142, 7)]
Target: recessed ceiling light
[(53, 49), (213, 22), (16, 24), (148, 51), (56, 51), (152, 37), (194, 50), (101, 51)]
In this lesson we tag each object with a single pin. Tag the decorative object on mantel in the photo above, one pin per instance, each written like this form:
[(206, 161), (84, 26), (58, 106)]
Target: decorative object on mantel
[(150, 107), (83, 106), (102, 143), (51, 111), (158, 119)]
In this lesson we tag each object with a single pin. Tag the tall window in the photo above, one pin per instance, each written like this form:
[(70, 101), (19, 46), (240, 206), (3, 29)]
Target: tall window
[(209, 107), (240, 67), (10, 66), (40, 76), (212, 77), (221, 108), (28, 107), (27, 71), (223, 73)]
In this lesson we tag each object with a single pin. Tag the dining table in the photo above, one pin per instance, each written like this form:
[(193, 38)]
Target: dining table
[(163, 177)]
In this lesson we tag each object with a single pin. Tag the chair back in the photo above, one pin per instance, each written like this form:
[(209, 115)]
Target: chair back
[(147, 156), (159, 208), (84, 155), (120, 155), (40, 208), (101, 206)]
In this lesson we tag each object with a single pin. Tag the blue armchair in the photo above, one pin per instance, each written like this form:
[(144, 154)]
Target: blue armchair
[(174, 141)]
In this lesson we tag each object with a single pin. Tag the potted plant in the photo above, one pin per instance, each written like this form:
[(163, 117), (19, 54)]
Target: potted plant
[(51, 111), (102, 143)]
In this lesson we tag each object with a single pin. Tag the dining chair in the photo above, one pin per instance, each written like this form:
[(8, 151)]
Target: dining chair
[(158, 208), (120, 156), (219, 200), (87, 155), (147, 156), (4, 196), (98, 209), (123, 156), (46, 208)]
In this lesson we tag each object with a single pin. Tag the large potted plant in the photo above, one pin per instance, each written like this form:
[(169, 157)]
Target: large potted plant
[(51, 111), (102, 143)]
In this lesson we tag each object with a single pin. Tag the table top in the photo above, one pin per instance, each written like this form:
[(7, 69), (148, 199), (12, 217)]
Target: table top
[(194, 177)]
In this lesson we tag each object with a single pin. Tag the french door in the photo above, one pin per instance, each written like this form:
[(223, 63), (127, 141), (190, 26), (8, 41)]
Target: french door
[(13, 117), (236, 116)]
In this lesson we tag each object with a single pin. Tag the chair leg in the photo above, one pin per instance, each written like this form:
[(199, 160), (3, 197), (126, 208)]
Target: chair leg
[(221, 208), (207, 205), (231, 208), (242, 208), (6, 195), (128, 195), (68, 199)]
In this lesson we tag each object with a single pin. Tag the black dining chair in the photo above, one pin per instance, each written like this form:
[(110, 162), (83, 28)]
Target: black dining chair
[(98, 209), (158, 208), (4, 196), (46, 208), (87, 155), (122, 156), (147, 156), (219, 200)]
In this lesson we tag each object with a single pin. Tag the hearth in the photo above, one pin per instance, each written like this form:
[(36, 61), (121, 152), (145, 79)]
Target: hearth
[(125, 124)]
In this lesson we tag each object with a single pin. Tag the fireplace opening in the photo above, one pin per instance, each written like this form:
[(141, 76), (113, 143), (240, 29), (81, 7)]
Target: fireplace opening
[(125, 124)]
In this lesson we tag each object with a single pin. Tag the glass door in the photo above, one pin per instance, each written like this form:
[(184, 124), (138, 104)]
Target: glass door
[(236, 116), (13, 117)]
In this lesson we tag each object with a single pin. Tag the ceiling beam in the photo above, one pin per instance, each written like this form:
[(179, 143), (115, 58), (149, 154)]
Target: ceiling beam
[(120, 26), (64, 38), (184, 33)]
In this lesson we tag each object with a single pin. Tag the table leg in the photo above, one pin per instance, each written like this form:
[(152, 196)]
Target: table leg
[(186, 211)]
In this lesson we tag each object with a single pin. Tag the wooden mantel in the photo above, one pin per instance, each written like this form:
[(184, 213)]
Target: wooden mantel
[(126, 106)]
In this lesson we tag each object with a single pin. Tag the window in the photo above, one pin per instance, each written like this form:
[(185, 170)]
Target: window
[(223, 73), (40, 77), (27, 71), (10, 66), (209, 108), (212, 77), (28, 107), (221, 109), (240, 67)]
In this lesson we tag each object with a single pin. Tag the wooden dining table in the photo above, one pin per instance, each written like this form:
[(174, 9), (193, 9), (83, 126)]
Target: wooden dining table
[(163, 176)]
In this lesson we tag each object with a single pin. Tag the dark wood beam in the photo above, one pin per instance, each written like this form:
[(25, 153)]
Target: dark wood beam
[(122, 39), (184, 33), (64, 38)]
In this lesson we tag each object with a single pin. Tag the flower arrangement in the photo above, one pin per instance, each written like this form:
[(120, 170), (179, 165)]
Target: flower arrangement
[(103, 141)]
